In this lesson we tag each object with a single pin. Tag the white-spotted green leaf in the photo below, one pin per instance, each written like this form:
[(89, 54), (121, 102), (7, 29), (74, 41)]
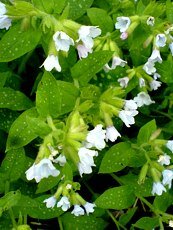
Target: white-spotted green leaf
[(126, 217), (163, 202), (53, 97), (78, 7), (3, 77), (83, 222), (14, 100), (146, 131), (35, 208), (7, 117), (165, 69), (20, 8), (99, 17), (20, 133), (16, 42), (147, 223), (52, 6), (86, 68), (116, 198), (14, 164)]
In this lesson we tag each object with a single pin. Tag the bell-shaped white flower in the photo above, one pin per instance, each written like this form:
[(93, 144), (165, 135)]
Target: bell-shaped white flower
[(122, 23), (112, 134), (77, 211), (96, 137), (167, 177), (3, 9), (61, 160), (141, 82), (143, 99), (89, 207), (150, 21), (43, 169), (156, 76), (149, 67), (5, 21), (154, 85), (83, 51), (50, 202), (117, 61), (169, 145), (123, 82), (160, 40), (155, 56), (86, 35), (171, 223), (171, 47), (51, 62), (128, 117), (158, 188), (64, 203), (62, 41), (164, 159), (130, 105)]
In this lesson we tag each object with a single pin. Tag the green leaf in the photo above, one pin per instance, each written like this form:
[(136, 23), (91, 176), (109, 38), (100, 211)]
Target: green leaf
[(14, 164), (44, 5), (99, 17), (163, 202), (20, 8), (82, 222), (14, 100), (126, 217), (53, 97), (9, 200), (169, 9), (3, 77), (116, 198), (165, 69), (147, 223), (7, 117), (118, 157), (5, 222), (146, 131), (86, 68), (35, 208), (20, 133), (16, 42), (78, 7)]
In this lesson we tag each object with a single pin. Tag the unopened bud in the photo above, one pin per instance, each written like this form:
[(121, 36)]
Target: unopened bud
[(143, 173)]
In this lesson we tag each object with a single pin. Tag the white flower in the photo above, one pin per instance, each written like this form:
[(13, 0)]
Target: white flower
[(141, 82), (86, 35), (5, 21), (154, 85), (155, 56), (158, 188), (124, 36), (127, 117), (62, 41), (169, 145), (171, 223), (89, 207), (122, 23), (149, 67), (160, 40), (83, 51), (150, 21), (60, 159), (77, 211), (50, 202), (130, 105), (116, 61), (156, 76), (96, 137), (167, 177), (51, 62), (123, 82), (112, 134), (64, 203), (43, 169), (171, 47), (143, 99), (107, 68), (164, 159)]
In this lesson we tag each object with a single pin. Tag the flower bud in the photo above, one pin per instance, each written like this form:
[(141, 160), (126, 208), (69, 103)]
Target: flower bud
[(143, 173)]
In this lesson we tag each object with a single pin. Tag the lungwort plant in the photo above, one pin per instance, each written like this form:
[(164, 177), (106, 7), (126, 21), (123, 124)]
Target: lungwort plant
[(86, 114)]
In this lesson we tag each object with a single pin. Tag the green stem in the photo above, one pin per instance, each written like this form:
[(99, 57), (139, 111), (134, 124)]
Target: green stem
[(118, 225), (115, 177), (60, 223), (50, 123), (12, 218), (161, 224)]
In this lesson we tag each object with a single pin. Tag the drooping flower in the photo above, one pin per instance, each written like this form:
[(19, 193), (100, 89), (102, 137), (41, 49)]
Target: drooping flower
[(50, 202), (62, 41), (112, 134), (130, 105), (156, 76), (122, 23), (150, 21), (155, 56), (160, 40), (171, 47), (5, 21), (164, 159), (149, 67), (127, 117), (51, 62), (86, 35), (143, 99), (60, 159), (43, 169), (89, 207), (169, 145), (116, 61), (83, 51), (96, 137), (167, 177), (141, 82), (64, 203), (78, 211), (123, 82), (158, 188), (154, 85)]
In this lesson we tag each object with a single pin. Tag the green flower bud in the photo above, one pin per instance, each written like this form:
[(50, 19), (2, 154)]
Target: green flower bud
[(143, 173)]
